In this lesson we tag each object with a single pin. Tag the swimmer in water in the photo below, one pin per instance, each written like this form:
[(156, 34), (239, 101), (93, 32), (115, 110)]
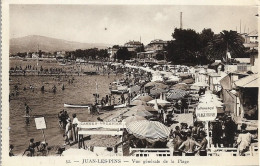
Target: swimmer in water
[(27, 110)]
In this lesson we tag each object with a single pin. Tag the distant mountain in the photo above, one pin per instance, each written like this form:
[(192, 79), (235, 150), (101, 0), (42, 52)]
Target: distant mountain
[(47, 44)]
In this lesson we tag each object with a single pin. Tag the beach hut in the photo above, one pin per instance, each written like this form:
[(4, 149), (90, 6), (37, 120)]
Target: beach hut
[(152, 131)]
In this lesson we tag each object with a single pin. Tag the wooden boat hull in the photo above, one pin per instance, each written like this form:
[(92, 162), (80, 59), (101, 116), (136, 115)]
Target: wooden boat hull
[(76, 105)]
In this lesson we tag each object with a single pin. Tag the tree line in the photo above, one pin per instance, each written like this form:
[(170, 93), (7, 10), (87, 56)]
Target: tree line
[(191, 47)]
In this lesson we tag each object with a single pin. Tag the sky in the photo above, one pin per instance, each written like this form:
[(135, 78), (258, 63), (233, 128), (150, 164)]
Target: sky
[(117, 24)]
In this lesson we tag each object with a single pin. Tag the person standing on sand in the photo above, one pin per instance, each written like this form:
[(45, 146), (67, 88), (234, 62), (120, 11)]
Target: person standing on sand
[(188, 146), (204, 143), (75, 123), (68, 131)]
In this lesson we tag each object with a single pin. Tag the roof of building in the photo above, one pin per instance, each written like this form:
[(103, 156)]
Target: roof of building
[(243, 60), (158, 41), (253, 33), (133, 43), (250, 81)]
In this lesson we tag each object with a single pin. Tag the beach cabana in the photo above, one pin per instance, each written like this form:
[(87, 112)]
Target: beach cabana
[(152, 131)]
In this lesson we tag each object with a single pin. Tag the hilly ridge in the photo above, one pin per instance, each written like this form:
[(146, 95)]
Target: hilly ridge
[(48, 44)]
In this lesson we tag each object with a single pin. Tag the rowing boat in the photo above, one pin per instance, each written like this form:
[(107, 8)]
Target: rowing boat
[(76, 105)]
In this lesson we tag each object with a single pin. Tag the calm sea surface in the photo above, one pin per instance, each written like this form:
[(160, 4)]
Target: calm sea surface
[(48, 104)]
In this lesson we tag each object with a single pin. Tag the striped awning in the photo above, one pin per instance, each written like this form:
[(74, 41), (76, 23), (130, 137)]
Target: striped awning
[(150, 130)]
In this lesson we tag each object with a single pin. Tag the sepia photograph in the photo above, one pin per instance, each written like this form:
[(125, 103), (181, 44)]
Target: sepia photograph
[(133, 80)]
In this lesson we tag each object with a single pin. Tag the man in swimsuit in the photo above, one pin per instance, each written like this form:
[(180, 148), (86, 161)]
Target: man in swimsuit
[(188, 146)]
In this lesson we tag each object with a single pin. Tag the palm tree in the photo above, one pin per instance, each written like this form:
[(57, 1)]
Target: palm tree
[(226, 41)]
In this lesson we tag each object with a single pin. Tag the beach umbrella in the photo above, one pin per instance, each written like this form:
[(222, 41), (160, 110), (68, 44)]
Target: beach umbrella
[(173, 79), (133, 118), (138, 102), (145, 98), (182, 86), (200, 84), (159, 101), (137, 112), (184, 75), (78, 152), (142, 108), (155, 84), (176, 94), (152, 131), (134, 88), (157, 91), (188, 81)]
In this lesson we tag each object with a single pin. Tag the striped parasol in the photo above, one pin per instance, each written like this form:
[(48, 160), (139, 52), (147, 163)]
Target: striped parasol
[(157, 91), (133, 118), (152, 131), (176, 94)]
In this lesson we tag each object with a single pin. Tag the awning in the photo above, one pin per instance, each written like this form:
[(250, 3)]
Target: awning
[(250, 81), (150, 130)]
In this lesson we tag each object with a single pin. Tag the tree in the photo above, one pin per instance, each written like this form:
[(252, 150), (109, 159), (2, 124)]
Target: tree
[(103, 53), (159, 56), (182, 49), (140, 49), (206, 36), (123, 54), (226, 41)]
